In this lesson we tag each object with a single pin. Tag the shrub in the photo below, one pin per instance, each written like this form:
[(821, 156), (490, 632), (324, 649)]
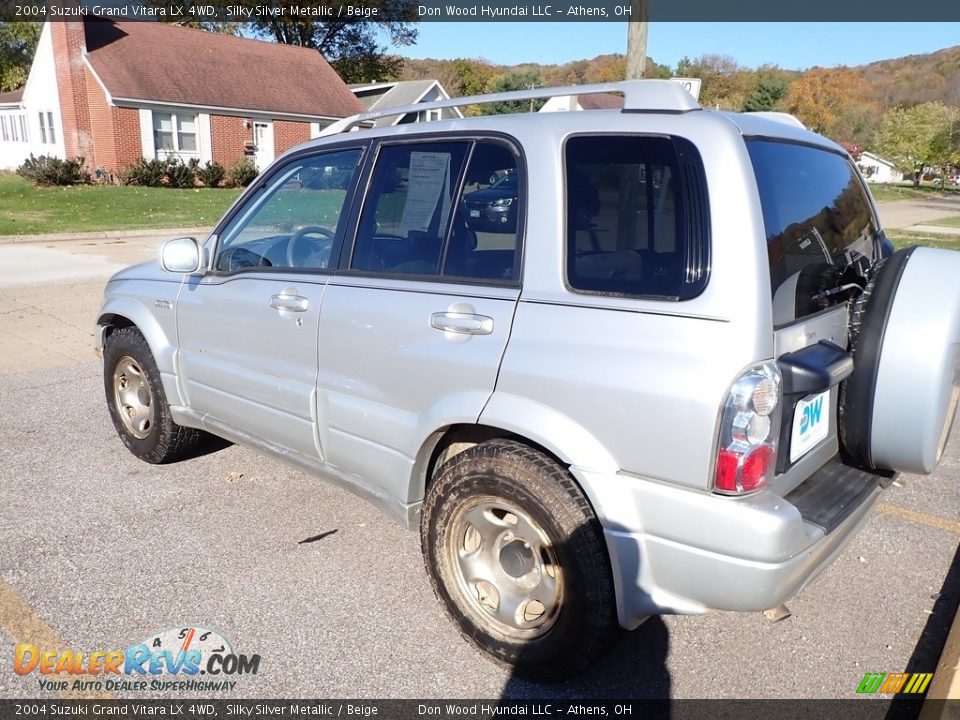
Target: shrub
[(144, 173), (48, 170), (181, 174), (211, 174), (243, 172)]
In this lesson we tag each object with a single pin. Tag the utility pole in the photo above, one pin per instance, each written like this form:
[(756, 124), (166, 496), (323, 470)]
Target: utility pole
[(637, 39)]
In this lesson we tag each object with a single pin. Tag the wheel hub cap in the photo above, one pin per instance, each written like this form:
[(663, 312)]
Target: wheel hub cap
[(507, 568), (132, 397)]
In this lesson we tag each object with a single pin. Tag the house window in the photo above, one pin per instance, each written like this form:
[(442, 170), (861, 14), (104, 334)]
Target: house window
[(175, 133), (435, 114), (24, 134), (48, 135), (3, 128)]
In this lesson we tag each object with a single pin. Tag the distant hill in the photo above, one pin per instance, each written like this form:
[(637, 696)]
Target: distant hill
[(915, 78), (900, 81)]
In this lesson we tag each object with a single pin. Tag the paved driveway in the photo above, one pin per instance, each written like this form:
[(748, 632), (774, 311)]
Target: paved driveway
[(98, 550), (904, 213)]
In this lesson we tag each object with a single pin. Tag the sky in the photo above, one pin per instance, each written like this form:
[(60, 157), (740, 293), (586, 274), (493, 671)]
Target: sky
[(793, 46)]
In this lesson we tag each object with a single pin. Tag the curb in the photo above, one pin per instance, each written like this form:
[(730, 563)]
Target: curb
[(104, 235), (945, 684)]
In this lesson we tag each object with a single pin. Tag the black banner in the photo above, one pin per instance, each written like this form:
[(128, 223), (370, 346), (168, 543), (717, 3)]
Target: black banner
[(857, 11), (197, 709)]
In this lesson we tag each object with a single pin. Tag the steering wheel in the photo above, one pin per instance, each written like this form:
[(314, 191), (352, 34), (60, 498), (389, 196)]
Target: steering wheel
[(327, 237)]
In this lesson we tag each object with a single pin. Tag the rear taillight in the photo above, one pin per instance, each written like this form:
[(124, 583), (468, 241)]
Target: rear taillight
[(749, 428)]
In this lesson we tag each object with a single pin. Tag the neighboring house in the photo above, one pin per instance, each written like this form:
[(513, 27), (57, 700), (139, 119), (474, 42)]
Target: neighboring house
[(877, 169), (383, 96), (113, 92), (14, 129), (593, 101)]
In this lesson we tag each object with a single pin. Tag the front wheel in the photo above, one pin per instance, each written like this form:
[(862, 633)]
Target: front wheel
[(137, 403), (516, 554)]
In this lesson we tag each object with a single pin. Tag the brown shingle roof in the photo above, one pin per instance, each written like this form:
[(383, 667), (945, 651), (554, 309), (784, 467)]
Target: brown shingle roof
[(157, 62), (11, 98), (600, 101)]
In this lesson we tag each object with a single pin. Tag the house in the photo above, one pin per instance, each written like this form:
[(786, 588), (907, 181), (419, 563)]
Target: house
[(593, 101), (14, 129), (113, 92), (383, 96), (877, 169)]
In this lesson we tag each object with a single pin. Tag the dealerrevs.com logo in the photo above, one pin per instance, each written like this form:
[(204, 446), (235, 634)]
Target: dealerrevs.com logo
[(195, 657)]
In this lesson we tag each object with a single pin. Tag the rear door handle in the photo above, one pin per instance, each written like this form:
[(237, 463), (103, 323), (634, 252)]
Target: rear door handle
[(462, 323), (293, 303)]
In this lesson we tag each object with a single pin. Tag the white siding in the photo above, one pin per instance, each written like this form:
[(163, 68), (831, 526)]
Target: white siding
[(41, 95)]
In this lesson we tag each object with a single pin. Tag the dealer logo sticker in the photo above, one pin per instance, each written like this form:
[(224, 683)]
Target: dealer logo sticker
[(181, 658)]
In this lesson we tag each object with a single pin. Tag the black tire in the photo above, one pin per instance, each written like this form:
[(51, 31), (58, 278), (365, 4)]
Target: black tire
[(866, 329), (163, 440), (583, 622)]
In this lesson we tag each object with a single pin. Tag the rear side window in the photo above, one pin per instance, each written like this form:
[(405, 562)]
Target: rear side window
[(636, 217), (820, 231)]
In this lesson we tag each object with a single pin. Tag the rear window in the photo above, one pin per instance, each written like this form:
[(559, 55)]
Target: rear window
[(820, 232), (636, 216)]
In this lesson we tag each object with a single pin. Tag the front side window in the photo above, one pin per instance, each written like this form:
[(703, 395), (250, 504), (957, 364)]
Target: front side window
[(293, 221), (174, 133), (820, 231), (407, 212), (626, 229)]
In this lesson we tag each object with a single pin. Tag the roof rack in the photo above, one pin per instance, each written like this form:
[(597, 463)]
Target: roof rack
[(638, 95)]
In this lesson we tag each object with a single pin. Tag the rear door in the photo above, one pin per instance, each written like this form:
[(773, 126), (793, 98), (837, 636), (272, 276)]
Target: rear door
[(822, 242), (415, 323)]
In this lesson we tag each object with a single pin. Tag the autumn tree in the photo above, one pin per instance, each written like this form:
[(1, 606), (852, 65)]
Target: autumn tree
[(923, 135), (821, 95), (18, 40)]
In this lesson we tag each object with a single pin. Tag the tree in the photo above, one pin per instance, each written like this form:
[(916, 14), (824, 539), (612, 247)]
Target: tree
[(765, 96), (515, 81), (352, 46), (920, 136), (18, 40), (821, 95)]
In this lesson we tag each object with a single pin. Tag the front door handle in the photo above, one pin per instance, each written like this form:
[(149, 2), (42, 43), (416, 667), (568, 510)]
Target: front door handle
[(462, 323), (292, 303)]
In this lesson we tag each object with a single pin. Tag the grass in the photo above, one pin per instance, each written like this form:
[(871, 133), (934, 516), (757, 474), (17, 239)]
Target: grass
[(901, 239), (906, 191), (25, 210), (946, 222)]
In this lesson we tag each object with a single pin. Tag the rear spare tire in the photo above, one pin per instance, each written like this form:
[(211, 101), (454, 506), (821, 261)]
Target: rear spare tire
[(898, 406)]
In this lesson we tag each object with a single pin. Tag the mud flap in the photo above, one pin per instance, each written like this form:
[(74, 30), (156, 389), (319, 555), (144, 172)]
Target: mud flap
[(898, 406)]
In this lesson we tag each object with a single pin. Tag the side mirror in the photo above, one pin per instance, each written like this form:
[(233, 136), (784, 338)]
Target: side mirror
[(181, 255)]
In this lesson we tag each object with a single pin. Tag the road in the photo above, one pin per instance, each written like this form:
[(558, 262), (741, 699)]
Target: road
[(99, 550), (902, 214)]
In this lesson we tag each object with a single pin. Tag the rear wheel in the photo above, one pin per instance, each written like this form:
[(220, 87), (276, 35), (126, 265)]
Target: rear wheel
[(517, 555), (138, 405)]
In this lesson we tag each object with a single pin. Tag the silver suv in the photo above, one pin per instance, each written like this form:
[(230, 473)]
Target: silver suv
[(669, 369)]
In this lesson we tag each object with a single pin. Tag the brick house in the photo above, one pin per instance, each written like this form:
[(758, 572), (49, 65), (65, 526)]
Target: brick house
[(113, 92)]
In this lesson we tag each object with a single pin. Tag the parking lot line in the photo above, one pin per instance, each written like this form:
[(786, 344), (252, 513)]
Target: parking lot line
[(23, 625), (930, 520)]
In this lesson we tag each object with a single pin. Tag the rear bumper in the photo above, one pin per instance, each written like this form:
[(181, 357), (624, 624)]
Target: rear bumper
[(679, 551)]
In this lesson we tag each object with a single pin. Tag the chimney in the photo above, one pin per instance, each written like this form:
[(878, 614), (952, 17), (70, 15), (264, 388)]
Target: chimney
[(69, 47)]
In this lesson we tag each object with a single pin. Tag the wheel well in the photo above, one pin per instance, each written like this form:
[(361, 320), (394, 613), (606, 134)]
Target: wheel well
[(455, 439), (111, 321)]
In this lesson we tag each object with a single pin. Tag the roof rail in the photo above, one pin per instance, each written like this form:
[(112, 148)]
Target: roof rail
[(652, 95)]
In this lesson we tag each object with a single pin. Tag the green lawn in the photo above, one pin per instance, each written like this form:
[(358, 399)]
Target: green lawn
[(25, 210), (906, 191), (946, 222), (902, 239)]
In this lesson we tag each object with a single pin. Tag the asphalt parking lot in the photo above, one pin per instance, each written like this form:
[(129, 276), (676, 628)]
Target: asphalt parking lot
[(99, 550)]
